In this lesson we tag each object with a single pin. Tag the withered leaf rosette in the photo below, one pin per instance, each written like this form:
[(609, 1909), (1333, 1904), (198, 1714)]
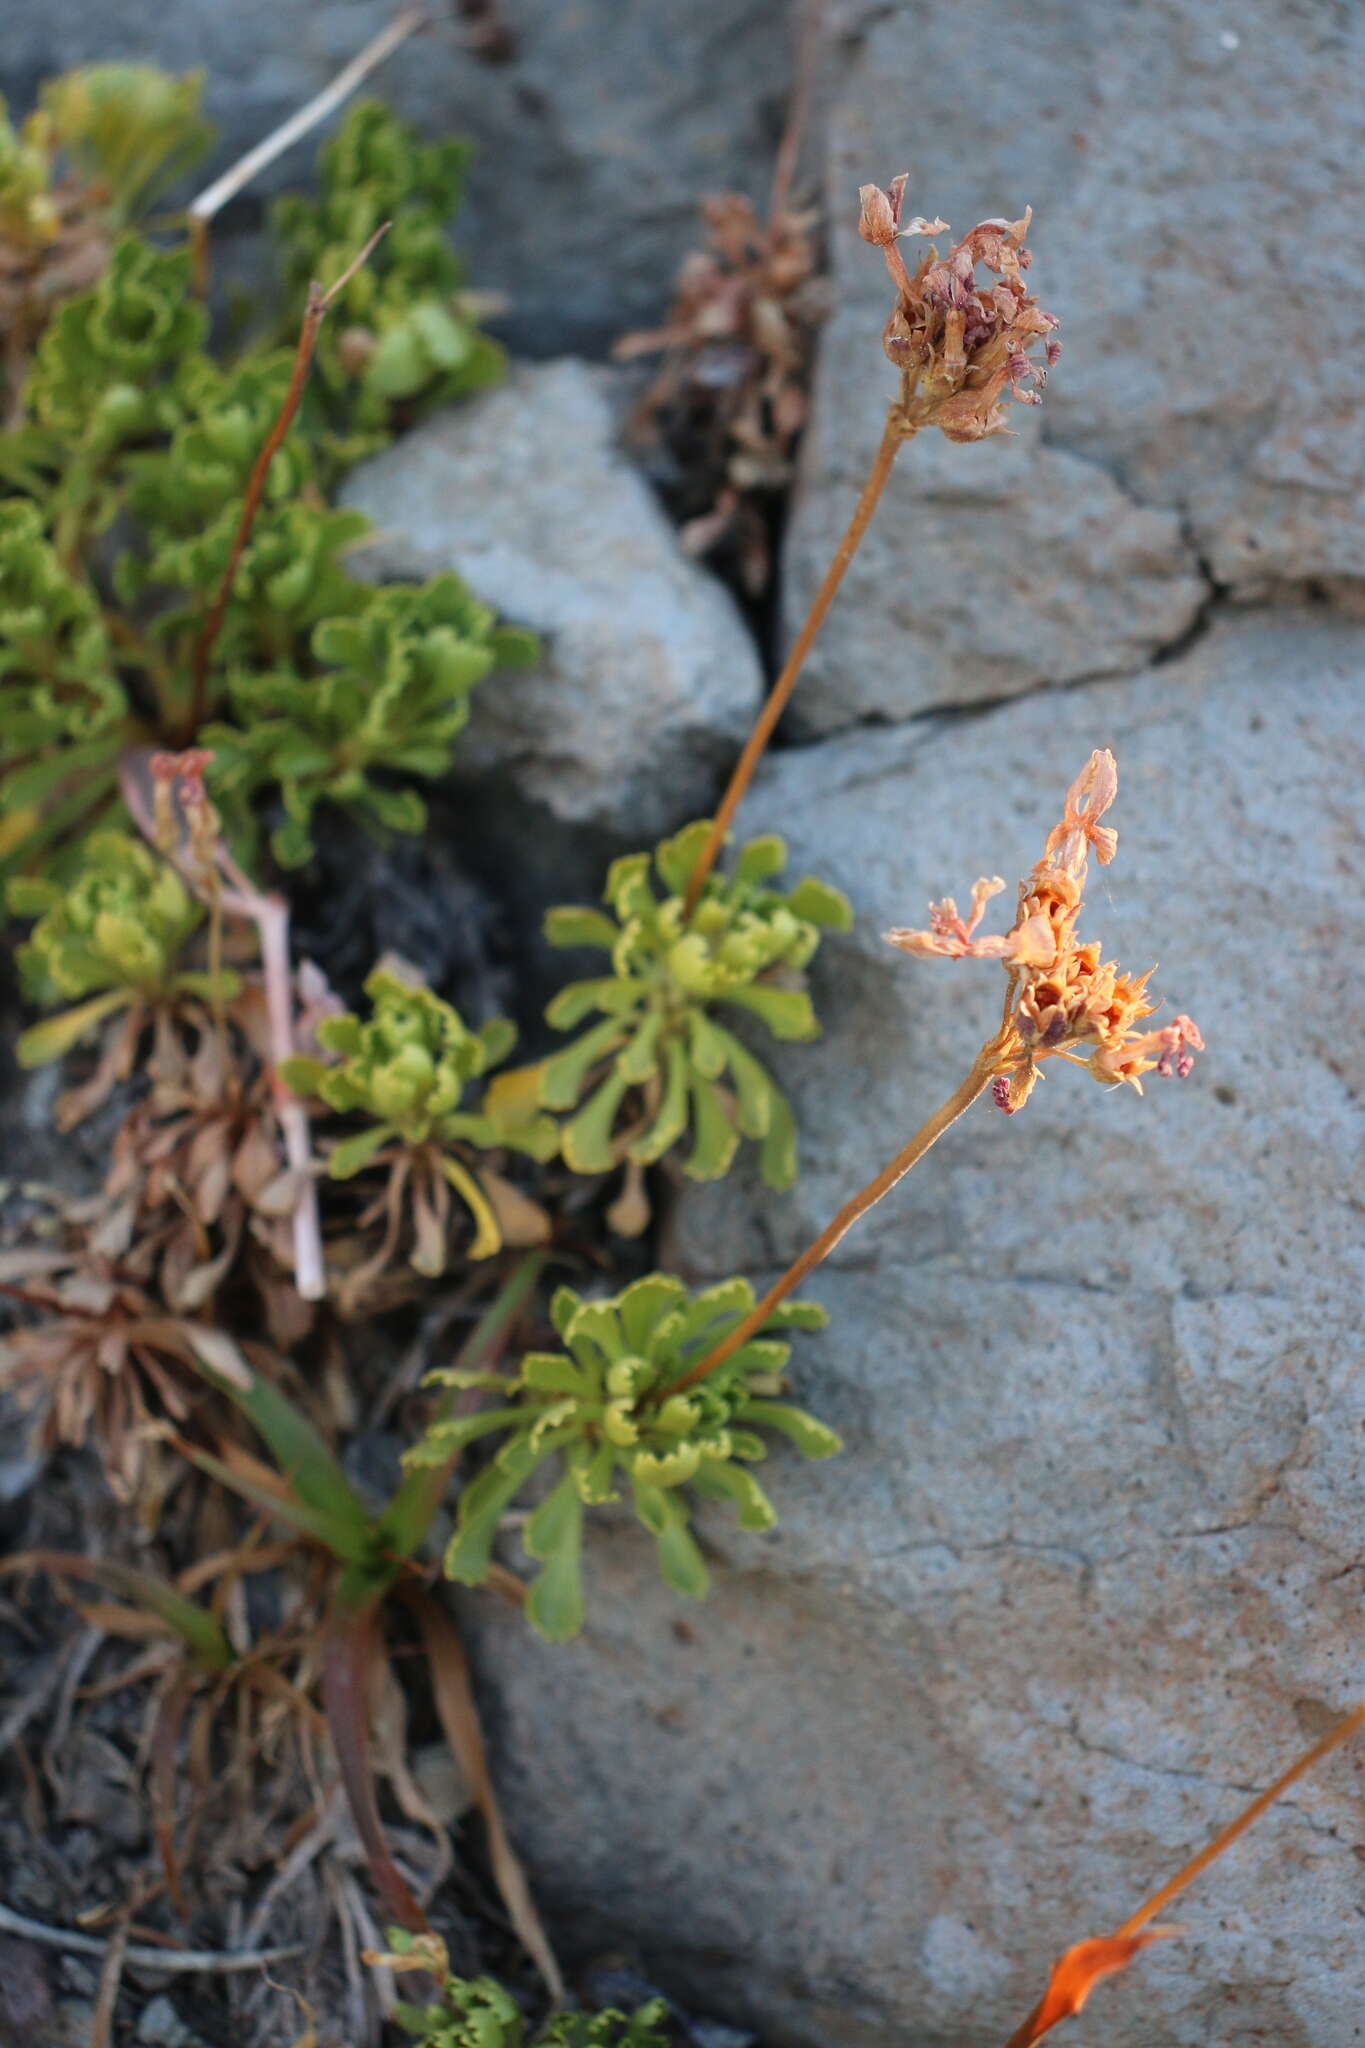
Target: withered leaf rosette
[(405, 1069), (602, 1407)]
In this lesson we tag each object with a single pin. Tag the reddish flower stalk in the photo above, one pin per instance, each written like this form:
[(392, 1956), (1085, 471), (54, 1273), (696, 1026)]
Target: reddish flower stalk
[(1076, 1973), (1059, 996), (960, 347), (314, 314)]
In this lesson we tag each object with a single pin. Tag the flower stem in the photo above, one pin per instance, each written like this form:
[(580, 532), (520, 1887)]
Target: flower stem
[(314, 314), (894, 433), (978, 1079), (1349, 1725), (1040, 2021)]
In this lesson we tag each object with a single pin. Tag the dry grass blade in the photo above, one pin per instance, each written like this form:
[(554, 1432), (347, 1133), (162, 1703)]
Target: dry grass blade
[(165, 1741), (111, 1976), (454, 1696), (348, 1652)]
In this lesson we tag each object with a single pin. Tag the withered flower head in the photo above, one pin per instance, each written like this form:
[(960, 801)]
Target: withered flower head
[(957, 341), (1065, 1000)]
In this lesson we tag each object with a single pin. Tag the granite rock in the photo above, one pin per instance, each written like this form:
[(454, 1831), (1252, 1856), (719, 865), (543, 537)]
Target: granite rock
[(1087, 1572), (595, 139), (1200, 427), (650, 679)]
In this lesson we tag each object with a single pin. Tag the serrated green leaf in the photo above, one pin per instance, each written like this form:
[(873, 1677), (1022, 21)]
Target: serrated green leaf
[(562, 1078), (814, 1439), (55, 1036), (722, 1479), (716, 1137), (550, 1372), (777, 1156), (820, 903), (676, 858), (787, 1012), (643, 1303), (587, 1141), (443, 1439), (351, 1156), (568, 926), (671, 1122), (761, 859)]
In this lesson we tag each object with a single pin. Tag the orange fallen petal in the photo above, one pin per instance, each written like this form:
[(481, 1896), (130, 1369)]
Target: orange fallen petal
[(1075, 1975)]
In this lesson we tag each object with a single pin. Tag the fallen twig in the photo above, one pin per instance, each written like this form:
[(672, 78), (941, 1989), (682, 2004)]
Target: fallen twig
[(178, 1962), (214, 197)]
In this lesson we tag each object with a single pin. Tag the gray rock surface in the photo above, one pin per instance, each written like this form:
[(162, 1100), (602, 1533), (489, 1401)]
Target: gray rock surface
[(650, 680), (988, 571), (594, 142), (1187, 166), (1088, 1570)]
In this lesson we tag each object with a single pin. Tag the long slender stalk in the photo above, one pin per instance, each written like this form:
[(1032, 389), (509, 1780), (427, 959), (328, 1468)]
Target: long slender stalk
[(977, 1080), (1349, 1725), (1041, 2020), (798, 114), (272, 924), (893, 435), (314, 314)]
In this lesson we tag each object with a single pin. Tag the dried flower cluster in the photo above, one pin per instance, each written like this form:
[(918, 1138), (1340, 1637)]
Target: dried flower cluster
[(730, 398), (959, 343), (1065, 1000)]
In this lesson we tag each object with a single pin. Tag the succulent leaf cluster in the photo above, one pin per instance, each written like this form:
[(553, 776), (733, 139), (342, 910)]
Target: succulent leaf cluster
[(390, 694), (109, 938), (122, 420), (104, 371), (476, 2012), (56, 670), (125, 132), (102, 141), (405, 1069), (400, 332), (658, 1065), (602, 1408)]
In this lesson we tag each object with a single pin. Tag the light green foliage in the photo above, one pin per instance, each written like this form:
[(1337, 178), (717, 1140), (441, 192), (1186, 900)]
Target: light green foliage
[(399, 332), (405, 1070), (118, 133), (202, 471), (102, 377), (322, 686), (29, 215), (476, 2012), (112, 937), (745, 946), (121, 921), (125, 131), (55, 666), (601, 1406), (392, 694)]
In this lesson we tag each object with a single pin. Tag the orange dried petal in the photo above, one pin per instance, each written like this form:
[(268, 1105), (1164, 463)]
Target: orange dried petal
[(1076, 1973)]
